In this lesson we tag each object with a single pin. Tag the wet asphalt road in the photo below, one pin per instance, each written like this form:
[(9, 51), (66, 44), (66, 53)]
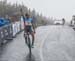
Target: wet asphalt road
[(52, 43)]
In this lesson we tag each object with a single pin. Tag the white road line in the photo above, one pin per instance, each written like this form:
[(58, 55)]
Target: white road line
[(42, 46)]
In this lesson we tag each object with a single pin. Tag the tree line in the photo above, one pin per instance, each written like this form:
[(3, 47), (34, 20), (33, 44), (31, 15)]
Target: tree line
[(14, 9)]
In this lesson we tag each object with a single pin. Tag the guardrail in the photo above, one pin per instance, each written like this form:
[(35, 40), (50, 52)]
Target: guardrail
[(8, 32)]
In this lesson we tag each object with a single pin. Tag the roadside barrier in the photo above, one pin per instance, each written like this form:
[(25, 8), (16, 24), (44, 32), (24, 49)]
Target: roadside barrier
[(9, 31)]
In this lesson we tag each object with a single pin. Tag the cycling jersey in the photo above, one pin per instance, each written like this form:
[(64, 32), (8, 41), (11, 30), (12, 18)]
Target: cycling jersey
[(28, 21)]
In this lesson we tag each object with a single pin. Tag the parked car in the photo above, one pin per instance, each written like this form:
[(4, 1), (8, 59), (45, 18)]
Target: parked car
[(58, 22)]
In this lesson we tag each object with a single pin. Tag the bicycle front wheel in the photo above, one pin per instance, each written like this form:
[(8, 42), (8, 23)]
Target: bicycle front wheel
[(29, 45)]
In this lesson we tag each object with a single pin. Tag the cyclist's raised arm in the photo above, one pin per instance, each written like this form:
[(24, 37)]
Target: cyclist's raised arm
[(22, 14)]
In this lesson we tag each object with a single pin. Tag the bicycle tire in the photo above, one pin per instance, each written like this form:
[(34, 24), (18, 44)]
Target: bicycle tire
[(28, 42), (29, 46)]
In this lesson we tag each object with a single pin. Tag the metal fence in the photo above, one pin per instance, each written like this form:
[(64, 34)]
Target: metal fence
[(5, 33), (9, 31), (1, 35)]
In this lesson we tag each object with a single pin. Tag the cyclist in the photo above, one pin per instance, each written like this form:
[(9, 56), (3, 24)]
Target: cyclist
[(63, 21), (29, 27)]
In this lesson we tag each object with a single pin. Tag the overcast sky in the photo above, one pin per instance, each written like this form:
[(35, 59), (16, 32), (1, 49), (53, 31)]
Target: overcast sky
[(51, 8)]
